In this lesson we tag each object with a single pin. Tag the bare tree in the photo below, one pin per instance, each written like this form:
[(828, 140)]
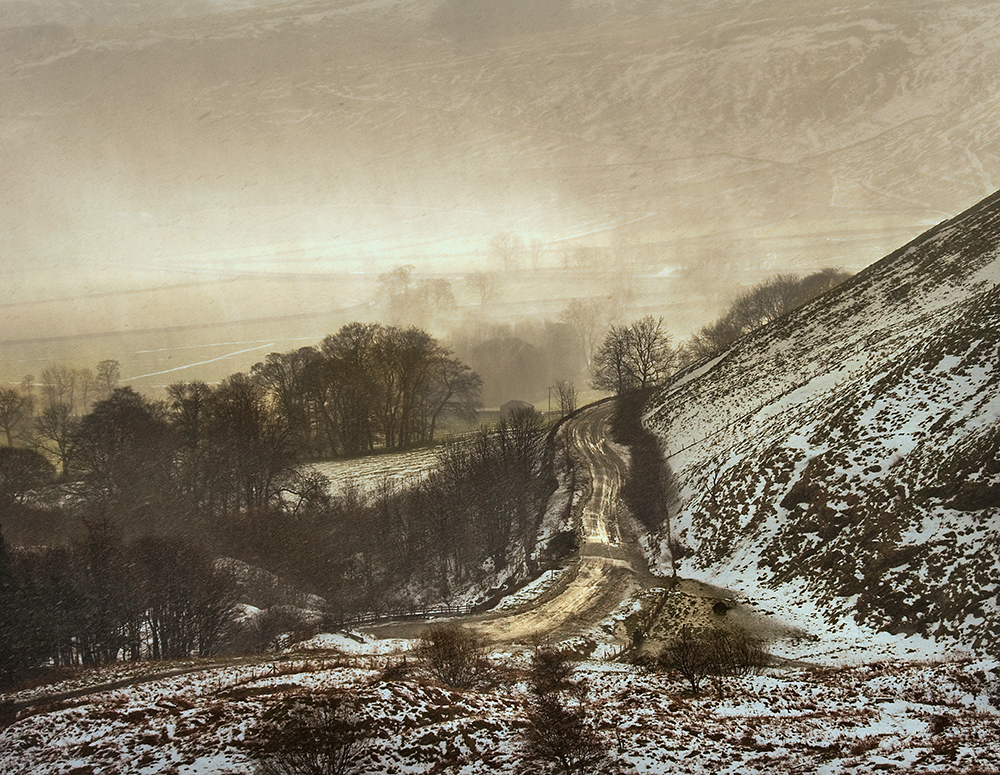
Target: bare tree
[(585, 317), (483, 284), (567, 397), (187, 604), (15, 409), (551, 671), (715, 654), (396, 289), (689, 656), (436, 298), (559, 738), (249, 442), (758, 306), (454, 390), (108, 375), (87, 387), (454, 655), (507, 248), (735, 652), (650, 352), (53, 433), (123, 451), (535, 250), (610, 367), (284, 377), (633, 357), (315, 734)]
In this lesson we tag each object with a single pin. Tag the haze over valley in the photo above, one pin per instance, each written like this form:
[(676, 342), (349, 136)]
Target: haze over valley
[(190, 186)]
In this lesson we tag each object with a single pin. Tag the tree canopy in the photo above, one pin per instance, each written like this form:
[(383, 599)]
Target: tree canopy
[(634, 357)]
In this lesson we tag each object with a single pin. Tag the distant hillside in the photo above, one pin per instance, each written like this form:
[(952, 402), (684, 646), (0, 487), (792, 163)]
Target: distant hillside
[(216, 168), (850, 452)]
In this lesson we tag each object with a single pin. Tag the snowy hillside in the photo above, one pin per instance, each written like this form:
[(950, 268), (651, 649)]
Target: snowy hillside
[(847, 456), (931, 718)]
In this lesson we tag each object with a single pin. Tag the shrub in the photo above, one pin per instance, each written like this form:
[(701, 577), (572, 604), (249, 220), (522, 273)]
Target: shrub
[(559, 739), (736, 652), (687, 655), (716, 655), (310, 735), (551, 671), (453, 655)]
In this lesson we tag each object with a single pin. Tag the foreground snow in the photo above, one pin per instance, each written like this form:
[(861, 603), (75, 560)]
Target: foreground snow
[(897, 716)]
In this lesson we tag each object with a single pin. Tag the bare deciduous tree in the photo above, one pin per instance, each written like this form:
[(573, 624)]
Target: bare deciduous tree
[(15, 409), (567, 397), (54, 429), (507, 248), (687, 655), (719, 653), (633, 357), (585, 317), (109, 373), (535, 250), (483, 284), (759, 305), (316, 734)]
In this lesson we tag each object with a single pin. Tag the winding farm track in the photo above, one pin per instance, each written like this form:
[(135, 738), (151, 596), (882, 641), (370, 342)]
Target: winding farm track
[(607, 569)]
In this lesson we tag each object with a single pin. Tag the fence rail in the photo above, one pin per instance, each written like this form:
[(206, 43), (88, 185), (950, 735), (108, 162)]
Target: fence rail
[(374, 617)]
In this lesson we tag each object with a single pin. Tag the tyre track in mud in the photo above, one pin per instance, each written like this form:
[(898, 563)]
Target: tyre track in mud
[(608, 567)]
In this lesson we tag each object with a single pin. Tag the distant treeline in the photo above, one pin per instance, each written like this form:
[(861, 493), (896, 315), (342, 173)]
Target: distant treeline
[(758, 306)]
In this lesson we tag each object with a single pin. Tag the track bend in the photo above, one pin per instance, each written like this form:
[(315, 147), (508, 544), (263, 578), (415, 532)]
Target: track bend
[(607, 569)]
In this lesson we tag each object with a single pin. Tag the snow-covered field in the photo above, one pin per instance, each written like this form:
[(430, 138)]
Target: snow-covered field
[(884, 716), (368, 473)]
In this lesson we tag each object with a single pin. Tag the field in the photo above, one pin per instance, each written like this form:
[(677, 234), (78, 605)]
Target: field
[(397, 469)]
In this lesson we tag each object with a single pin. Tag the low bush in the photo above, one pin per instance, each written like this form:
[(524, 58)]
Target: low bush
[(310, 735), (454, 656), (714, 655)]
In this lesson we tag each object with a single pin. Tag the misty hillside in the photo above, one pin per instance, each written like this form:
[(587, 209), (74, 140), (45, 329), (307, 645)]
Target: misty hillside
[(848, 455), (212, 163)]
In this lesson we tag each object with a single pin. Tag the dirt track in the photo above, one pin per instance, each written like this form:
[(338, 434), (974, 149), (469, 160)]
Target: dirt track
[(607, 569)]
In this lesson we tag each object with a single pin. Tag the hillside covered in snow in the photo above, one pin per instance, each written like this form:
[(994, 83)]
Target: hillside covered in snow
[(845, 459)]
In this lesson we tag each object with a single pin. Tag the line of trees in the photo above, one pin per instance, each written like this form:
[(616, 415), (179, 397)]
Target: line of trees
[(45, 415), (368, 386), (104, 599), (472, 521), (141, 587), (758, 306)]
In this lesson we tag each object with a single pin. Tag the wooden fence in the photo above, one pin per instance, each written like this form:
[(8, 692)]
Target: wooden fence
[(400, 614)]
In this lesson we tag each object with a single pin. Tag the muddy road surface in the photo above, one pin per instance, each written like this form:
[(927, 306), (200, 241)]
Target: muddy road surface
[(608, 568)]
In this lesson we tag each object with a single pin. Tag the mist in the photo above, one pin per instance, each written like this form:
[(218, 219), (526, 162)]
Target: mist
[(190, 186)]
